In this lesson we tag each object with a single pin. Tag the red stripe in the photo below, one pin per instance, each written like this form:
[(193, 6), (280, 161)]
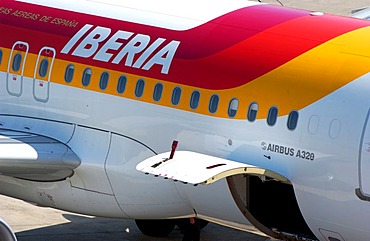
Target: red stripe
[(224, 53), (204, 40), (263, 52), (39, 25), (232, 28)]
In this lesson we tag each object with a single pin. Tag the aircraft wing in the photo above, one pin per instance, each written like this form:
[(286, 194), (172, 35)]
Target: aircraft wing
[(363, 13), (195, 168), (35, 157)]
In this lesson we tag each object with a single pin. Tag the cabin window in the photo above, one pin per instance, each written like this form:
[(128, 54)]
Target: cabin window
[(176, 95), (43, 70), (1, 56), (68, 75), (233, 107), (157, 93), (292, 120), (194, 99), (86, 77), (139, 90), (103, 83), (272, 116), (213, 103), (121, 85), (17, 60), (252, 112)]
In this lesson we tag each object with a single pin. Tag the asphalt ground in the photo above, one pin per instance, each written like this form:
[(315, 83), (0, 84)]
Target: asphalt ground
[(340, 7), (33, 223)]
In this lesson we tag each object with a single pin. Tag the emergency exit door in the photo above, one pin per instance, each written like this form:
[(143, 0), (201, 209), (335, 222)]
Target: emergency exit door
[(15, 70), (42, 74), (364, 162)]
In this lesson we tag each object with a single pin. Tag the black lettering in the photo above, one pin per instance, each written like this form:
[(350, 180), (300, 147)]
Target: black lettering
[(312, 156), (281, 150), (269, 148)]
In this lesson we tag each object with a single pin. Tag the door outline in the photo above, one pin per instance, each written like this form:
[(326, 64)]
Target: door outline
[(14, 79), (364, 153), (41, 84)]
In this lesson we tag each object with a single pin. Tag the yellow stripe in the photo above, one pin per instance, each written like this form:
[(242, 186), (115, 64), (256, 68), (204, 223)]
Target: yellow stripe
[(313, 75)]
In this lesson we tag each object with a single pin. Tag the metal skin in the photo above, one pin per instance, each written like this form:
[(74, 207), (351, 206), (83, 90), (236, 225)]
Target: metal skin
[(243, 52)]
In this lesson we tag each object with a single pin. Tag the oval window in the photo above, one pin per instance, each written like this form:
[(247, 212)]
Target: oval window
[(292, 120), (313, 124), (104, 77), (86, 77), (43, 70), (139, 90), (335, 127), (194, 99), (213, 103), (68, 75), (233, 107), (272, 116), (252, 112), (121, 85), (157, 94), (17, 60), (176, 95)]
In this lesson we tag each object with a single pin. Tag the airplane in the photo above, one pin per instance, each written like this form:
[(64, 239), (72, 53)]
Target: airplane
[(233, 112)]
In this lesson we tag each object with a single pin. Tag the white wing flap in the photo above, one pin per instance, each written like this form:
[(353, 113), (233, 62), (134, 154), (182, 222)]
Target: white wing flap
[(194, 168)]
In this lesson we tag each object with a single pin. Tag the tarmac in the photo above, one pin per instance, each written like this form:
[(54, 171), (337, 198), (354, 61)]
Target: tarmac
[(32, 223), (339, 7)]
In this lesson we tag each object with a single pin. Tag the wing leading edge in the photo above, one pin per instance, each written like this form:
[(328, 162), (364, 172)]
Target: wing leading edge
[(34, 157)]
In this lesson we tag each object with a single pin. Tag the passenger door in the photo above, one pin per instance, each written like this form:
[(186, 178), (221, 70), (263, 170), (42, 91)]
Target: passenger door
[(364, 162), (15, 70), (42, 74)]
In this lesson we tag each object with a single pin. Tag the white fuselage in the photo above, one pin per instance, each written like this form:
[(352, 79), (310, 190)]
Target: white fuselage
[(322, 157)]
